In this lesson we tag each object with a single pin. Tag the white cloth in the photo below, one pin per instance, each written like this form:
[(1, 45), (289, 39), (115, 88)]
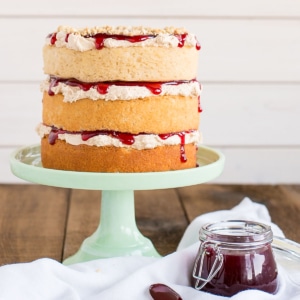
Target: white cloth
[(130, 277)]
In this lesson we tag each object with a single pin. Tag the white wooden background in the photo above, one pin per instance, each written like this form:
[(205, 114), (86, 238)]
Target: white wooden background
[(249, 68)]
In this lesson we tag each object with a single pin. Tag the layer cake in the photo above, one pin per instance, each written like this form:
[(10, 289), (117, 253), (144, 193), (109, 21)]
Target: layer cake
[(120, 99)]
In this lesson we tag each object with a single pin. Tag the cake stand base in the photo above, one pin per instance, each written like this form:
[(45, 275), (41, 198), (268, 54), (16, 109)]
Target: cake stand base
[(117, 233)]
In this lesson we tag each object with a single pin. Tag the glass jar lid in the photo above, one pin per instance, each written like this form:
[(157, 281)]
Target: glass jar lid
[(234, 233)]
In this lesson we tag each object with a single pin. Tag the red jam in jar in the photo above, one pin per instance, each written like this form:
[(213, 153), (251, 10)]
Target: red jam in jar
[(235, 256)]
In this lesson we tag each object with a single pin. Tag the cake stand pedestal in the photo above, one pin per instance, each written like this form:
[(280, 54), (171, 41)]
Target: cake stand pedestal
[(117, 233)]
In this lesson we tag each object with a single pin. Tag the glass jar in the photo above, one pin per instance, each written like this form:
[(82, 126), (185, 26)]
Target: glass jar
[(234, 256)]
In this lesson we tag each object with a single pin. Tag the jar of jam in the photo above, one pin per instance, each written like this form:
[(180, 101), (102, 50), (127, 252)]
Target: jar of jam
[(234, 256)]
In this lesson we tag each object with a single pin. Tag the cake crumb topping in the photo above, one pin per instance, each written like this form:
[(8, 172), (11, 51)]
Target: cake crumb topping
[(121, 30), (88, 38)]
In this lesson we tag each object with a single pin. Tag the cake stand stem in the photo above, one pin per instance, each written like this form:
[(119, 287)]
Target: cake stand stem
[(117, 233)]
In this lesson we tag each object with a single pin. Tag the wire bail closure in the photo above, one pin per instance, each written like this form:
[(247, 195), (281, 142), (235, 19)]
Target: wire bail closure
[(207, 248)]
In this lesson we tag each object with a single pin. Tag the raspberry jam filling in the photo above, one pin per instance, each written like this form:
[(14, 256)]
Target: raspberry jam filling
[(101, 37), (125, 138), (102, 87)]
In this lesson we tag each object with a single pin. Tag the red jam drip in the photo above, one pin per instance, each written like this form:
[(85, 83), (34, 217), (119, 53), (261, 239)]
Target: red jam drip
[(102, 87), (254, 270), (53, 135), (67, 37), (181, 39), (53, 38), (123, 137), (101, 37), (198, 46), (199, 105), (181, 135)]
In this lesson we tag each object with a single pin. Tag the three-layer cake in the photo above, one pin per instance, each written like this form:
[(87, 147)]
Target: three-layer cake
[(120, 99)]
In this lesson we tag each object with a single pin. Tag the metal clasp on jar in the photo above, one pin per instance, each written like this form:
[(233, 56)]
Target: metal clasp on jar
[(207, 248)]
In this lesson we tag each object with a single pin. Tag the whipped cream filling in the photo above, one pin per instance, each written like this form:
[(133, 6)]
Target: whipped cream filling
[(81, 43), (117, 92), (141, 141)]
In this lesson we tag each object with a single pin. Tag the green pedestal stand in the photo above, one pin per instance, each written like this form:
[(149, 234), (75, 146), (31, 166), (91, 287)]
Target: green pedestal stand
[(117, 233)]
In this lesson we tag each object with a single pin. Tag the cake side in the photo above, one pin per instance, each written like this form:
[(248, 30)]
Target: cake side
[(113, 159), (127, 53), (160, 114), (124, 63)]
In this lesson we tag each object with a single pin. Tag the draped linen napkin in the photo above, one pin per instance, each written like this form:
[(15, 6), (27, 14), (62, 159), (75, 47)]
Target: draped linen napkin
[(130, 277)]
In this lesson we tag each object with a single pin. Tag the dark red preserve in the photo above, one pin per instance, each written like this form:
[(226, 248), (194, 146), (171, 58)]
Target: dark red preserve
[(235, 256)]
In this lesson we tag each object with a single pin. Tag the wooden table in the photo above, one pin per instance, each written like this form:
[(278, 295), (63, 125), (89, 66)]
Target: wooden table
[(40, 221)]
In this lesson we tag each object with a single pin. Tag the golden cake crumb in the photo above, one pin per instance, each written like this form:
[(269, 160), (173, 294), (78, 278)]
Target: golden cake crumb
[(121, 30)]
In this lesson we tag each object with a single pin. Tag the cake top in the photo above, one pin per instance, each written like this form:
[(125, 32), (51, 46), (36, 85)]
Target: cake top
[(85, 39), (121, 30)]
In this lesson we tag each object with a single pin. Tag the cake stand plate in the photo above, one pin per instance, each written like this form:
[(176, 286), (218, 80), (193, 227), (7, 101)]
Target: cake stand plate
[(117, 233)]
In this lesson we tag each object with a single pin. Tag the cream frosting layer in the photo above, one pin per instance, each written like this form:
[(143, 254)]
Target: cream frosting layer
[(115, 92), (81, 43), (141, 141)]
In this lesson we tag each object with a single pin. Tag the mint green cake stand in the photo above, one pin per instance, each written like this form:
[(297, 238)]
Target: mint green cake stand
[(117, 233)]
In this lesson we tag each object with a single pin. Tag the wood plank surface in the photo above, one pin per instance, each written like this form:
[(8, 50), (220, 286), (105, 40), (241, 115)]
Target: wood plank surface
[(40, 221), (160, 217), (282, 201), (32, 222), (83, 219)]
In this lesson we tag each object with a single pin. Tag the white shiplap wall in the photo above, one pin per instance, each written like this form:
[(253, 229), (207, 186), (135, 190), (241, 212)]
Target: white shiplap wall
[(249, 68)]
